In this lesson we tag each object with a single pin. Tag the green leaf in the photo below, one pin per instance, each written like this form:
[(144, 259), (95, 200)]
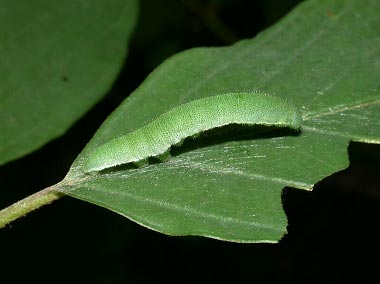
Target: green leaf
[(324, 57), (58, 58)]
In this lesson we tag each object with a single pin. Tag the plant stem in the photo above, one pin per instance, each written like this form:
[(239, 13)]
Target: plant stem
[(28, 204)]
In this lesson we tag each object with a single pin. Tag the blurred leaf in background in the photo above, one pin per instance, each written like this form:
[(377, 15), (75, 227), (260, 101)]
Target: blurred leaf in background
[(58, 58)]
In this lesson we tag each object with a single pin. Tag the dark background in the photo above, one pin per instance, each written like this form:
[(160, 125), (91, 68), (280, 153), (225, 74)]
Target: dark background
[(332, 233)]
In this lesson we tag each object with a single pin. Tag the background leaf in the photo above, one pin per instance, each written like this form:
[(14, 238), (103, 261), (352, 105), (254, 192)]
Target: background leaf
[(231, 189), (58, 58)]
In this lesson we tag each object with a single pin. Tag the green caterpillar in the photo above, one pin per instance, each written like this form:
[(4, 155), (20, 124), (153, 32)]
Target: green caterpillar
[(191, 118)]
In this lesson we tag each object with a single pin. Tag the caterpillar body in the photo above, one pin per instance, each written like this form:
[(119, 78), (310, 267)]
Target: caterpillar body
[(172, 127)]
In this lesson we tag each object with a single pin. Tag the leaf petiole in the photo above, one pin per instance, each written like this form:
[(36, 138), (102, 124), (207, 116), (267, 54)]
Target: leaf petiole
[(29, 204)]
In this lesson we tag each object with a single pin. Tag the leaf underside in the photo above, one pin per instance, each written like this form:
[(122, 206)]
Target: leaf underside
[(324, 57)]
